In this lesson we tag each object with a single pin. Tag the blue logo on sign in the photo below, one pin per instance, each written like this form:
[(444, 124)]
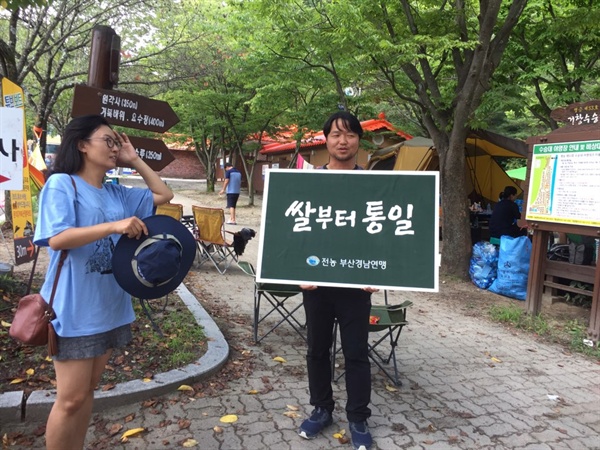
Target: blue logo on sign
[(313, 261)]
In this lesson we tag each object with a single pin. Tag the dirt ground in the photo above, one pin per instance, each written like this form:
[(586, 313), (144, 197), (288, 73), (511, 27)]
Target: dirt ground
[(463, 294)]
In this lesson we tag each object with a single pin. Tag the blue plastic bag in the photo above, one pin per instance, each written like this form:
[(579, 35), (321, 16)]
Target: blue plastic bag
[(513, 267), (484, 263)]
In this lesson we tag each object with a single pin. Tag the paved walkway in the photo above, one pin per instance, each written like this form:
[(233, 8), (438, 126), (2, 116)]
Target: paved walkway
[(467, 384)]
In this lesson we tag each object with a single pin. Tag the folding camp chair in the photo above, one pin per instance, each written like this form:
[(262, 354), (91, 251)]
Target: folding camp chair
[(389, 319), (174, 210), (277, 296), (210, 237)]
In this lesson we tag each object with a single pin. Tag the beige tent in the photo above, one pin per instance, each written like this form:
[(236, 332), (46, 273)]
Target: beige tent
[(484, 177)]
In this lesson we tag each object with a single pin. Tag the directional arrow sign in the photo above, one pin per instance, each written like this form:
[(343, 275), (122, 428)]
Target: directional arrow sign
[(154, 152), (24, 250), (121, 108)]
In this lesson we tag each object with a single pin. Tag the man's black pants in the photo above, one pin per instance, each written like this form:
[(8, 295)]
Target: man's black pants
[(351, 307)]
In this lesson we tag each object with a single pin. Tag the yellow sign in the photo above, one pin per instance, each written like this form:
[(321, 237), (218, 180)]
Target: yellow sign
[(20, 201)]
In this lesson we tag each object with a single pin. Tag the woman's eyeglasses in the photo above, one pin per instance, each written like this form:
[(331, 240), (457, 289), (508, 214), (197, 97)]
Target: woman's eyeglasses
[(110, 142)]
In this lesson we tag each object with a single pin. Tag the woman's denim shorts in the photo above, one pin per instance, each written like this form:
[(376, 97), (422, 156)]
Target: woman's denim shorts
[(85, 347)]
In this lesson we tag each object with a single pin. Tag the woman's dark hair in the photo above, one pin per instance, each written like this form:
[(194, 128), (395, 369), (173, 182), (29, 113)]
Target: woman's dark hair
[(508, 191), (349, 121), (68, 158)]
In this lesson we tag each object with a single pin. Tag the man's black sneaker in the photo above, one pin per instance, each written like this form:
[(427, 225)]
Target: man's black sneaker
[(318, 420), (360, 435)]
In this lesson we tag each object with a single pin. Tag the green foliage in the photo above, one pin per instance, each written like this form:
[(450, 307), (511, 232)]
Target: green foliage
[(552, 61), (579, 299), (13, 5), (10, 286)]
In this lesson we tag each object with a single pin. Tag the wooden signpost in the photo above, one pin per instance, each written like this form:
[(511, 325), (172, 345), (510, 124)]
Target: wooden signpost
[(131, 111), (564, 181), (126, 110), (122, 108), (153, 151)]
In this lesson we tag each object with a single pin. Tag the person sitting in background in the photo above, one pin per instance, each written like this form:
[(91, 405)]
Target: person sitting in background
[(505, 214)]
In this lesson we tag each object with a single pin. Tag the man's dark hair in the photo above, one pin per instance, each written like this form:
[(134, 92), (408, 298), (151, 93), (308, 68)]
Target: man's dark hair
[(68, 158), (508, 191), (228, 164), (349, 121)]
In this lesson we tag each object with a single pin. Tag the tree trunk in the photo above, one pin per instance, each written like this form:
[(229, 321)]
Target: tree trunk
[(456, 231)]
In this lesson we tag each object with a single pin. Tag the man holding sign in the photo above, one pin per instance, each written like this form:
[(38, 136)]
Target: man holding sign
[(350, 306)]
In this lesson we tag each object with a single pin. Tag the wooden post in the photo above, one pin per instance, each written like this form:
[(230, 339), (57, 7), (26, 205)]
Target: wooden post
[(594, 328), (537, 266), (103, 72)]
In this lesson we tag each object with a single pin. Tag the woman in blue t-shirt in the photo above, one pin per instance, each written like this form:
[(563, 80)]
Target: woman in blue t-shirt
[(81, 214)]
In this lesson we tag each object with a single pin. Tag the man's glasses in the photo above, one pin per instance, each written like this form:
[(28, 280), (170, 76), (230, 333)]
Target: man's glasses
[(110, 142)]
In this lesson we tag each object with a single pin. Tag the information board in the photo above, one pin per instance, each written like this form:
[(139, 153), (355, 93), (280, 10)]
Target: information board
[(350, 228), (565, 182)]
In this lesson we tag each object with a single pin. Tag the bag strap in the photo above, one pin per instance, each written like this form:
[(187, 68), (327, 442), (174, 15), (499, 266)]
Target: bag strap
[(63, 256)]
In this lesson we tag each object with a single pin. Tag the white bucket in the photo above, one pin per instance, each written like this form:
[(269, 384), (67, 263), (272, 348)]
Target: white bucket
[(6, 269)]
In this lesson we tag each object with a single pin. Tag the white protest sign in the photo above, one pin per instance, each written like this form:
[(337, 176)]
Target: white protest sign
[(11, 148)]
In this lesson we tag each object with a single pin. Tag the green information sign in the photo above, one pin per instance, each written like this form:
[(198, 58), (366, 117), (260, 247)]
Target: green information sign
[(350, 228), (565, 182)]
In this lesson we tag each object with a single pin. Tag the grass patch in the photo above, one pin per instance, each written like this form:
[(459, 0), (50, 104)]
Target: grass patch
[(578, 333), (515, 316), (148, 354), (573, 334)]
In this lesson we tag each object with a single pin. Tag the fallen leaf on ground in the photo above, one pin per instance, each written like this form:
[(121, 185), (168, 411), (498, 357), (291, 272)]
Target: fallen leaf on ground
[(115, 429), (292, 408), (17, 381), (340, 434), (185, 387), (498, 360), (390, 388), (291, 414), (279, 359), (184, 423), (30, 372), (131, 433), (229, 418), (253, 391), (5, 324), (189, 443), (217, 429)]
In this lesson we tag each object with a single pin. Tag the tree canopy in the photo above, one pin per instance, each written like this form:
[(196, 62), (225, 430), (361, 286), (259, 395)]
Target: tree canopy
[(237, 70)]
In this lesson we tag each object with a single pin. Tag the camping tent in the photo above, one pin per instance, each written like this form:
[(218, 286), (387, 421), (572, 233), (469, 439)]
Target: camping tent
[(485, 178)]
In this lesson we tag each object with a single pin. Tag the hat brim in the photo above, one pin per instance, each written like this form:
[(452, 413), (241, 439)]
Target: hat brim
[(126, 247)]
